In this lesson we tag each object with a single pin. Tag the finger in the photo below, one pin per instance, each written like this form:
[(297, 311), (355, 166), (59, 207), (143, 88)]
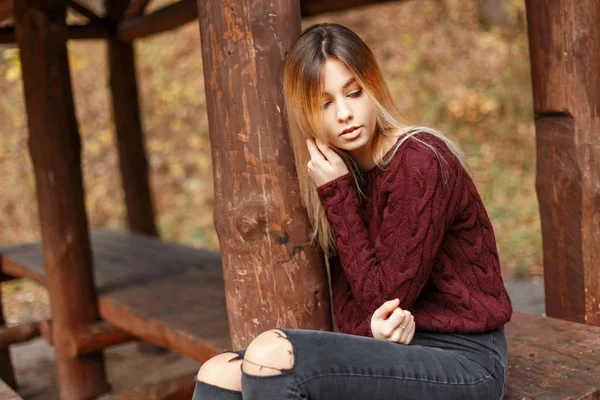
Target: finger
[(385, 309), (408, 328), (396, 335), (326, 150), (315, 153), (411, 334), (395, 320)]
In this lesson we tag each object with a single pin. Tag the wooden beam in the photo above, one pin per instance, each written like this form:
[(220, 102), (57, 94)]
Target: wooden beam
[(564, 40), (18, 333), (74, 32), (86, 12), (254, 171), (55, 151), (91, 338), (165, 19)]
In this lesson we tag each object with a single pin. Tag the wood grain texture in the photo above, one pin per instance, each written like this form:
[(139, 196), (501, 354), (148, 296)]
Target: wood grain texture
[(273, 278), (564, 37), (552, 359), (55, 148)]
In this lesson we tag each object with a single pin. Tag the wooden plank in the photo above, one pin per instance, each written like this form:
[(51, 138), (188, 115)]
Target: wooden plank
[(6, 393), (552, 359), (133, 271), (269, 266), (564, 38), (54, 146)]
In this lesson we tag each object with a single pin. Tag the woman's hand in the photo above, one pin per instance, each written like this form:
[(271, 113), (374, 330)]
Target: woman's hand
[(393, 324), (325, 164)]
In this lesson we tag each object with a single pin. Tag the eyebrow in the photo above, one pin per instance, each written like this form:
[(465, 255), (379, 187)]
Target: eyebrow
[(348, 83)]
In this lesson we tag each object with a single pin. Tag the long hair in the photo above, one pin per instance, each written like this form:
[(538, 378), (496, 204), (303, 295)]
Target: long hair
[(302, 87)]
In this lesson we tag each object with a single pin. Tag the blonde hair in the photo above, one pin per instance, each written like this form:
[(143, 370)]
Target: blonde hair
[(302, 87)]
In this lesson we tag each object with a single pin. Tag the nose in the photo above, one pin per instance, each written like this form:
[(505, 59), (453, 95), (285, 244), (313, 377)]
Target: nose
[(344, 112)]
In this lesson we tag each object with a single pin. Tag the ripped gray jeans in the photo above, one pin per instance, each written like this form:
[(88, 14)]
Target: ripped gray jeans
[(330, 365)]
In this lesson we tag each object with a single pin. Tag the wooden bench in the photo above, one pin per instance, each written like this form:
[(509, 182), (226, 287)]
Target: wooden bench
[(163, 293), (173, 296), (552, 359)]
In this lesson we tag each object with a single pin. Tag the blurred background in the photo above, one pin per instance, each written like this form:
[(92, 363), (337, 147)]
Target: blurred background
[(461, 66)]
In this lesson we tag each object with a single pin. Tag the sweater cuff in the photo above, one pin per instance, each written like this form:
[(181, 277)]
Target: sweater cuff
[(336, 190)]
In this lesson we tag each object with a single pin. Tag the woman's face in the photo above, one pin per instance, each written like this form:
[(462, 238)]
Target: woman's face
[(345, 106)]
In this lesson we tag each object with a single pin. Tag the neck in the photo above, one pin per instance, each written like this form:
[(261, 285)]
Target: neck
[(365, 160)]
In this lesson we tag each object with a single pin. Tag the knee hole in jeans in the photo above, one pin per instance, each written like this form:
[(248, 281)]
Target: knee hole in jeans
[(222, 370), (269, 354)]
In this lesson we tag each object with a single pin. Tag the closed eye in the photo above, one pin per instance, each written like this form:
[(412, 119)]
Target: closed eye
[(353, 95)]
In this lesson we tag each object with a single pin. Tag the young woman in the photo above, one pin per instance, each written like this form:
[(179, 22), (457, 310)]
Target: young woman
[(417, 291)]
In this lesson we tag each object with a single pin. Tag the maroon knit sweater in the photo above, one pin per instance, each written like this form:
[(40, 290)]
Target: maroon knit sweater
[(422, 235)]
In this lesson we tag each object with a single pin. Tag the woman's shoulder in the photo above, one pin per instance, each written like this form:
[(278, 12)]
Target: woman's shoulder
[(420, 149), (423, 155)]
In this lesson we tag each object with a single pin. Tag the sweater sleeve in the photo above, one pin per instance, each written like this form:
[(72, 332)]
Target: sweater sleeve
[(350, 318), (419, 209)]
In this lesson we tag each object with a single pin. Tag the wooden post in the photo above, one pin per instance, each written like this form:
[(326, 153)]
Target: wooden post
[(564, 39), (55, 148), (272, 277), (128, 131), (130, 139)]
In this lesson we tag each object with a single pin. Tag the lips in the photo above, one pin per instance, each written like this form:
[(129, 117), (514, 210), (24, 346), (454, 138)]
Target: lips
[(348, 130)]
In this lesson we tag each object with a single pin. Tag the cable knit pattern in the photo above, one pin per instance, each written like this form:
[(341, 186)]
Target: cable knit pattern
[(423, 236)]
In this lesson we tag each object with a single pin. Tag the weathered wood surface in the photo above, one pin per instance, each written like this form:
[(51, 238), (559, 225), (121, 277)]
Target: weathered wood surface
[(18, 333), (55, 150), (552, 359), (564, 37), (6, 393), (166, 294), (263, 229), (94, 337)]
